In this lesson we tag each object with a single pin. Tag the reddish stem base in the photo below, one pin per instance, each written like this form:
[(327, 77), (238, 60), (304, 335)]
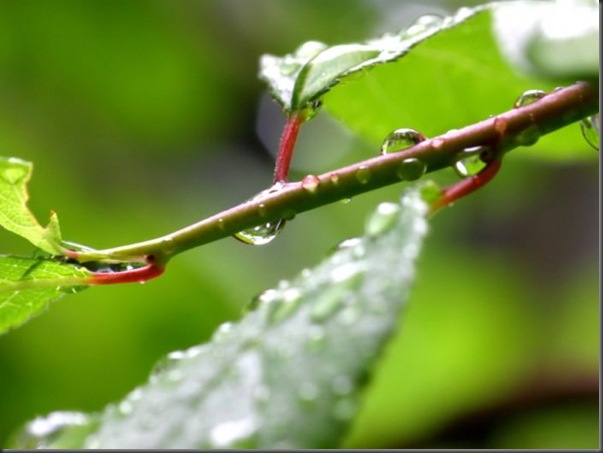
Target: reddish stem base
[(286, 146), (466, 186), (139, 275)]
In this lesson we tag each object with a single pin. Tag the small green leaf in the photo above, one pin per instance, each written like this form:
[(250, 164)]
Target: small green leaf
[(15, 216), (290, 373), (28, 285)]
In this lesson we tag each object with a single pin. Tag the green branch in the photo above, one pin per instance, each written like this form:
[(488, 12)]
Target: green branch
[(517, 127)]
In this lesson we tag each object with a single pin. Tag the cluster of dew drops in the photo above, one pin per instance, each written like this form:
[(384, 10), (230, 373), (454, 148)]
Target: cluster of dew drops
[(469, 163)]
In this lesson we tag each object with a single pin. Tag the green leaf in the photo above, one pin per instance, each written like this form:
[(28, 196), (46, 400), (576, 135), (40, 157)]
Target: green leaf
[(15, 216), (28, 285), (290, 373), (434, 76)]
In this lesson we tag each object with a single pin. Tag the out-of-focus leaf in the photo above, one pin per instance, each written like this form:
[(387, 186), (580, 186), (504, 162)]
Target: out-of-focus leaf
[(28, 285), (15, 216), (550, 40), (289, 374)]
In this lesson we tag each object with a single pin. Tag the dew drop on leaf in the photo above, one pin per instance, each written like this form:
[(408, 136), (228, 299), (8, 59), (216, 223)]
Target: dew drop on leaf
[(307, 394), (590, 130), (42, 432), (401, 139), (529, 97), (383, 219), (424, 23), (411, 169)]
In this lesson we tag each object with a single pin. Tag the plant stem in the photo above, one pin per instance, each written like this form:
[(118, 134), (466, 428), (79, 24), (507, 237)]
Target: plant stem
[(509, 130), (286, 146)]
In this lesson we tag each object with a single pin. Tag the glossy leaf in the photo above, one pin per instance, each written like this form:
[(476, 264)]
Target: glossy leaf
[(289, 374), (28, 285), (15, 216)]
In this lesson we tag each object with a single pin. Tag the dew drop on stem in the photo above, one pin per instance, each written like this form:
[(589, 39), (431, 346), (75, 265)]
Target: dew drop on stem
[(266, 232), (310, 183), (411, 169), (529, 97), (363, 174), (472, 164), (590, 128), (401, 139)]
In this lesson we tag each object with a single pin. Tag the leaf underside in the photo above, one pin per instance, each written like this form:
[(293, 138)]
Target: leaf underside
[(289, 374)]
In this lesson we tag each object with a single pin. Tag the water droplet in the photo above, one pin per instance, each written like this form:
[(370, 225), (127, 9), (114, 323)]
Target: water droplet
[(590, 130), (290, 300), (342, 385), (261, 234), (316, 338), (401, 139), (437, 143), (348, 243), (383, 219), (327, 304), (266, 297), (234, 434), (529, 97), (310, 183), (472, 164), (334, 178), (221, 225), (223, 332), (363, 174), (308, 394), (345, 409), (345, 200), (411, 169), (43, 432), (262, 210), (528, 136), (424, 23)]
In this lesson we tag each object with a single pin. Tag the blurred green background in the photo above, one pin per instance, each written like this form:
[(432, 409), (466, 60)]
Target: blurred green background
[(144, 116)]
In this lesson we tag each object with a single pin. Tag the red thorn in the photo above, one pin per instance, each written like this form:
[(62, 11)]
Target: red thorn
[(466, 186), (139, 275)]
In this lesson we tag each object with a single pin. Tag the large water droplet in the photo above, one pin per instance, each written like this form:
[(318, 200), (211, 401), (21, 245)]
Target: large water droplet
[(261, 234), (401, 139), (529, 136), (472, 164), (310, 183), (43, 432), (529, 97), (411, 169), (383, 219), (363, 174), (590, 130), (265, 233)]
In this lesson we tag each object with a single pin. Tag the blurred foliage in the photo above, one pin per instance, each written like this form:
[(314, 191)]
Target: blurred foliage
[(141, 117)]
